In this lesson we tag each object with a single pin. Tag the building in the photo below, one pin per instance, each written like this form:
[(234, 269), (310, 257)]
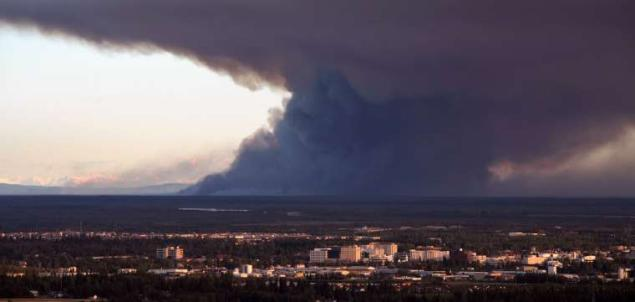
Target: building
[(415, 255), (534, 260), (588, 258), (428, 254), (319, 255), (65, 271), (473, 257), (552, 270), (390, 249), (175, 272), (360, 270), (127, 270), (622, 273), (401, 257), (170, 252), (372, 250), (379, 251), (246, 269), (352, 253), (435, 255)]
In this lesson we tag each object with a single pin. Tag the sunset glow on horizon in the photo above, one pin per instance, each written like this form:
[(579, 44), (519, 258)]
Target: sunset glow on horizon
[(73, 114)]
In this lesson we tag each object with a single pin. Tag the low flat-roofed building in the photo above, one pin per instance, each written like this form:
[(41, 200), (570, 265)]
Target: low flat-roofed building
[(246, 269), (127, 270), (589, 258), (534, 260), (473, 257), (169, 271)]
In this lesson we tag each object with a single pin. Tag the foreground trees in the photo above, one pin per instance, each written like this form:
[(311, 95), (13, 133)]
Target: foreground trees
[(143, 287)]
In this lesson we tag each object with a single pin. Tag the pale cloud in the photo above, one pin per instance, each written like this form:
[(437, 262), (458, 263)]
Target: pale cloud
[(116, 118), (187, 170), (603, 170)]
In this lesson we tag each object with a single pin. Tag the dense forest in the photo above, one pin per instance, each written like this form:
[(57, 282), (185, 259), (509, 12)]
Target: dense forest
[(302, 213), (225, 288)]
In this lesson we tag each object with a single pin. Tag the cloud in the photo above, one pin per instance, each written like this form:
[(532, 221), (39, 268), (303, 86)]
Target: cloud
[(605, 170), (185, 171), (410, 97), (103, 174)]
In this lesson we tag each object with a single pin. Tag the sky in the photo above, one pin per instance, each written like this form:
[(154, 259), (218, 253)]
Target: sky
[(421, 97), (75, 114)]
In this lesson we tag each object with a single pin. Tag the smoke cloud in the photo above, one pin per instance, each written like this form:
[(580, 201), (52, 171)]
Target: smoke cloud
[(183, 171), (410, 97)]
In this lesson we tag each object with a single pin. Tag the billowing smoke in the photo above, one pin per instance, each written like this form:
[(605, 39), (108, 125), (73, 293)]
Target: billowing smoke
[(409, 97), (331, 140)]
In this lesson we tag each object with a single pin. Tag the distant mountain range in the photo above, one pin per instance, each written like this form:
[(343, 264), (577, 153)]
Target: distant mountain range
[(162, 189)]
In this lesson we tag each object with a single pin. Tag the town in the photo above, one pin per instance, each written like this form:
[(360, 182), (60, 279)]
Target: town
[(454, 250), (362, 256)]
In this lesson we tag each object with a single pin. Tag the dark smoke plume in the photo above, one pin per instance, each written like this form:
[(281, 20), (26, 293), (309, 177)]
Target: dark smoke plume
[(396, 97)]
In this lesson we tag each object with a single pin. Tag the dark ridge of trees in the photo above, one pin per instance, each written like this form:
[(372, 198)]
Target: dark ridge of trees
[(143, 287)]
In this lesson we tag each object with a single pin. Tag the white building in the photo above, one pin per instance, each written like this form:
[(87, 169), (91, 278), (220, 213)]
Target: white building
[(379, 251), (588, 258), (389, 248), (127, 271), (169, 271), (373, 250), (319, 255), (428, 254), (170, 252)]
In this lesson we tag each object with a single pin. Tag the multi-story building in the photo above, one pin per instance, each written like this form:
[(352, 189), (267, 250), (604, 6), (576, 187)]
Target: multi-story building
[(415, 255), (436, 255), (390, 249), (352, 253), (170, 252), (622, 273), (319, 255), (428, 254), (378, 251), (372, 250)]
